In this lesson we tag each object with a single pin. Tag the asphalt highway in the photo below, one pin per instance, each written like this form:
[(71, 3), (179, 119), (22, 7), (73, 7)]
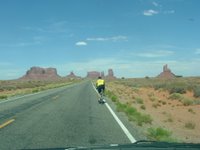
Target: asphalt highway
[(62, 117)]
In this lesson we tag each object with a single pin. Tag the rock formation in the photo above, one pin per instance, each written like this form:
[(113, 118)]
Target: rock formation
[(38, 73), (166, 73), (93, 74), (110, 74), (96, 74), (72, 76)]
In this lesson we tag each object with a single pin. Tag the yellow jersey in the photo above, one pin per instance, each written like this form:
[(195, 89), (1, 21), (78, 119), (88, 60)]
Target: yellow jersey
[(100, 82)]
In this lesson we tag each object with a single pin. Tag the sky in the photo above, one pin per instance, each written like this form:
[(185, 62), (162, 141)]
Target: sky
[(133, 37)]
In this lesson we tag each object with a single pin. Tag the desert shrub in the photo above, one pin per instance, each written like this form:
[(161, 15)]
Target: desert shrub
[(196, 102), (35, 90), (186, 101), (172, 86), (197, 92), (139, 100), (143, 107), (111, 95), (3, 96), (191, 110), (181, 98), (143, 118), (170, 119), (108, 93), (1, 89), (176, 96), (178, 89), (190, 125), (136, 89), (114, 98), (133, 114), (121, 107), (151, 94), (130, 110), (159, 134), (42, 88), (159, 86), (7, 87), (155, 105), (152, 98)]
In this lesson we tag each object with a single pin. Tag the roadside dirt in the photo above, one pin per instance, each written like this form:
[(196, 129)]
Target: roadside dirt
[(182, 121)]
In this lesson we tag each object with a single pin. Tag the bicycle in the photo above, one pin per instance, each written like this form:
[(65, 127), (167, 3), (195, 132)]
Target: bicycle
[(101, 99)]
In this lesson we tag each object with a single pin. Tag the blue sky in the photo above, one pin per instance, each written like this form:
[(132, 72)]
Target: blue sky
[(133, 37)]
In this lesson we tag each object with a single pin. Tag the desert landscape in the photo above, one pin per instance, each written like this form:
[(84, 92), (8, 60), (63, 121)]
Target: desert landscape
[(165, 107), (170, 108), (36, 79)]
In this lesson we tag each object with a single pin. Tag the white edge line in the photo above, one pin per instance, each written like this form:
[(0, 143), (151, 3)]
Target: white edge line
[(128, 134)]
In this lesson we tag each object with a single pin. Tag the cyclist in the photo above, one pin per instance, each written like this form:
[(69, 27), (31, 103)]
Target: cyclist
[(100, 85)]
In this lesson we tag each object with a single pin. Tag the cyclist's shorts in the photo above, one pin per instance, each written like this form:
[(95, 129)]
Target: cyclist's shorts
[(101, 87)]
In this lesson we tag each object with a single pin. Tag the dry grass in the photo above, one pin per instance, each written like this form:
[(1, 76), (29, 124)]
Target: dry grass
[(190, 125), (167, 109), (18, 87)]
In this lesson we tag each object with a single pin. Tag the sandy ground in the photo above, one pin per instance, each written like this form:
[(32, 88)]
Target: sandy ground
[(166, 113)]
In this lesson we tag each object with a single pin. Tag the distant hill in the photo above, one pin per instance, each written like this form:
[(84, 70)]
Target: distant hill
[(38, 73)]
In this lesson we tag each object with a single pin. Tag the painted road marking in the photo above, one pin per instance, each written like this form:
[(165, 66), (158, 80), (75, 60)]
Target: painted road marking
[(128, 134), (6, 123)]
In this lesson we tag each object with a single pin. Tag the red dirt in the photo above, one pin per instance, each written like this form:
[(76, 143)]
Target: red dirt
[(169, 114)]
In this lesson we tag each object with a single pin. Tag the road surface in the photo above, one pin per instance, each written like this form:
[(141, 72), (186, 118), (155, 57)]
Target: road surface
[(62, 117)]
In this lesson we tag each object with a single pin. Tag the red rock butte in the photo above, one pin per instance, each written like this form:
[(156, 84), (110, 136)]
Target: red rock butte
[(38, 73), (96, 74), (110, 74), (93, 74), (72, 76), (166, 73)]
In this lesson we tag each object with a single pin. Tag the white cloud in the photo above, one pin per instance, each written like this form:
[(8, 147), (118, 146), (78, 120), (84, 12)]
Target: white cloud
[(197, 51), (52, 27), (169, 12), (154, 54), (150, 12), (20, 44), (96, 39), (114, 38), (155, 4), (81, 43), (159, 7)]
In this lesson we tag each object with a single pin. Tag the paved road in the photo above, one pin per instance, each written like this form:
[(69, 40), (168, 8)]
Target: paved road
[(62, 117)]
